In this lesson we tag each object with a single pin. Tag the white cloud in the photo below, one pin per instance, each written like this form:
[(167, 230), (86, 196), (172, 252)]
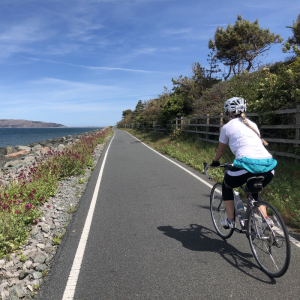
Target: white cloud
[(19, 38), (177, 31), (92, 67)]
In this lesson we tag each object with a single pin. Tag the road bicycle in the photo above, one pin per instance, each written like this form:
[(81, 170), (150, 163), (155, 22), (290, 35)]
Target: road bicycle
[(269, 242)]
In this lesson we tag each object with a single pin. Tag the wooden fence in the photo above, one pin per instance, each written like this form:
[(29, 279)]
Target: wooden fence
[(208, 128)]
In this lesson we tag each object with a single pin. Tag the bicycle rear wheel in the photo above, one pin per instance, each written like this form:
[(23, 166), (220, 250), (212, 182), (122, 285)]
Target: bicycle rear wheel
[(218, 211), (270, 244)]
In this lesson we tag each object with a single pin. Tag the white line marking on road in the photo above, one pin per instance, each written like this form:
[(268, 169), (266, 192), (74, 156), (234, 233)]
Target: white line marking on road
[(292, 240), (74, 273)]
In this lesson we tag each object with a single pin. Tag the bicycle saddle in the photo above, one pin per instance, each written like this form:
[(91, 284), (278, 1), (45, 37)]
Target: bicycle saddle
[(254, 184)]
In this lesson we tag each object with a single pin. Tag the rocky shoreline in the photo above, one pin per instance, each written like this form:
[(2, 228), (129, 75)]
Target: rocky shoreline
[(22, 273), (14, 158)]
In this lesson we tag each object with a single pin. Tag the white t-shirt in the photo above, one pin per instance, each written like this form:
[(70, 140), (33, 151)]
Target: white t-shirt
[(243, 141)]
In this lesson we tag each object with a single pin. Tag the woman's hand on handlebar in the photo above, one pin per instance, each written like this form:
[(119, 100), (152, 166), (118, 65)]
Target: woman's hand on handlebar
[(215, 164)]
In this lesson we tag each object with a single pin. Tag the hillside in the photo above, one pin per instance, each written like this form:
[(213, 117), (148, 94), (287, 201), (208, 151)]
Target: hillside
[(10, 123)]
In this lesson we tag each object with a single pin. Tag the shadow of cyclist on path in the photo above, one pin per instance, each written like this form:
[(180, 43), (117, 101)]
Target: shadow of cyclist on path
[(200, 238)]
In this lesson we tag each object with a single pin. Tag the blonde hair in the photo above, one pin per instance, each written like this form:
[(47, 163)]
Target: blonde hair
[(244, 119)]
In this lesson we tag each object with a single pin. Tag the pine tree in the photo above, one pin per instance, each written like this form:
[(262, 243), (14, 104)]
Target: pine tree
[(237, 46), (295, 39)]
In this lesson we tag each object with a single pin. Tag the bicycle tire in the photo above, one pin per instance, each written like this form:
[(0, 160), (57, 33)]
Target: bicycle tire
[(218, 212), (273, 250)]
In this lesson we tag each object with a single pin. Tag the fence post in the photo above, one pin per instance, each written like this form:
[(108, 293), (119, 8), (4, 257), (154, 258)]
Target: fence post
[(207, 128), (176, 127), (297, 134), (181, 122)]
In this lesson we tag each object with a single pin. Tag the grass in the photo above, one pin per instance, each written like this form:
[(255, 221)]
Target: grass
[(72, 209), (80, 181), (56, 239), (283, 192), (23, 258)]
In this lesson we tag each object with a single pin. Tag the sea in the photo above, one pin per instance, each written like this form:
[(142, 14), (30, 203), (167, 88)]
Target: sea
[(25, 136)]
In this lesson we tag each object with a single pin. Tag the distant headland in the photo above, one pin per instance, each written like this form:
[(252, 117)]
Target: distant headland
[(10, 123)]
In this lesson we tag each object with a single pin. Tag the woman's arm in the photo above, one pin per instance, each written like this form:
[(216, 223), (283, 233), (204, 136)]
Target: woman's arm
[(221, 149)]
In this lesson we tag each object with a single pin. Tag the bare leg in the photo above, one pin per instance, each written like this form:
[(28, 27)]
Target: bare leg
[(229, 205), (263, 209)]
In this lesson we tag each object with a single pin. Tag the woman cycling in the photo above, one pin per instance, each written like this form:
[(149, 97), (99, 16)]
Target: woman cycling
[(251, 157)]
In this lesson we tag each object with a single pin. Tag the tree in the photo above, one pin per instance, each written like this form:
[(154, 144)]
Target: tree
[(237, 46), (139, 107), (126, 113), (295, 39), (174, 107)]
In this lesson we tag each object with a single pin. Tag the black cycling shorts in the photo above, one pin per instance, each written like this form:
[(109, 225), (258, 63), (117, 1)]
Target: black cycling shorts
[(236, 177)]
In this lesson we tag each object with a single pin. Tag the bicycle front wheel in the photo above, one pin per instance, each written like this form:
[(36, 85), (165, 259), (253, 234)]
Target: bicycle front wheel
[(218, 211), (269, 241)]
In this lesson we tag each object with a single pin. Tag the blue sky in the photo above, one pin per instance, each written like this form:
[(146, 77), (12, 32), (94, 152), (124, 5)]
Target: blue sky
[(82, 62)]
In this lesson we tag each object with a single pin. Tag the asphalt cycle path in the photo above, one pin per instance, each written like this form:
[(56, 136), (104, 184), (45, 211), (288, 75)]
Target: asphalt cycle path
[(151, 237)]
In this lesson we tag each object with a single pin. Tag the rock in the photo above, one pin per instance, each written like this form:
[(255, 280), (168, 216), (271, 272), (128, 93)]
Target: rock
[(3, 285), (49, 145), (13, 163), (41, 246), (9, 274), (35, 282), (35, 230), (49, 222), (9, 150), (41, 267), (30, 287), (17, 291), (45, 149), (37, 275), (32, 253), (23, 148), (37, 154), (2, 262), (9, 264), (39, 237), (35, 265), (16, 274), (61, 147), (28, 159), (36, 148), (19, 265), (17, 154), (23, 274), (28, 264), (4, 294), (39, 258), (46, 228)]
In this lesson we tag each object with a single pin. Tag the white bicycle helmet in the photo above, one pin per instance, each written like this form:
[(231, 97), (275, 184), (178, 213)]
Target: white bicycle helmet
[(235, 105)]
